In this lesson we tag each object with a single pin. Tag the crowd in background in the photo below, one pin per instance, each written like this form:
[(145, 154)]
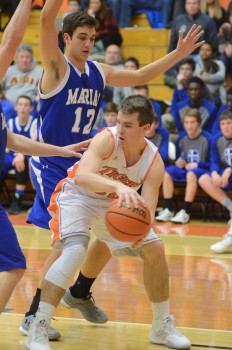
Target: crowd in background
[(201, 91)]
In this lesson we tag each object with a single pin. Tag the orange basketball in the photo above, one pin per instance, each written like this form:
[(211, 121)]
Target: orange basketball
[(127, 224)]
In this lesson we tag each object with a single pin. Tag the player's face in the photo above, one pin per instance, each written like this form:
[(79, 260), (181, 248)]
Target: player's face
[(129, 131), (111, 118), (23, 107), (81, 43), (191, 126), (226, 128)]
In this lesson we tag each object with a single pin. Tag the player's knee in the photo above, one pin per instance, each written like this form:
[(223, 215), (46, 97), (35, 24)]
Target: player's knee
[(153, 253), (203, 180), (61, 273)]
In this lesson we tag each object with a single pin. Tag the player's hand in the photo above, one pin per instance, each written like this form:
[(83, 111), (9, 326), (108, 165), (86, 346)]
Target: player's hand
[(216, 180), (181, 163), (225, 177), (128, 197), (74, 149), (18, 162), (186, 45)]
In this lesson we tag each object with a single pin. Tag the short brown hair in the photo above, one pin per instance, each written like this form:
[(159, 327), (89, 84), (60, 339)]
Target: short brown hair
[(193, 112), (138, 104)]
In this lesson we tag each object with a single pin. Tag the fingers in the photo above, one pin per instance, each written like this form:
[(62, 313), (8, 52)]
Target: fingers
[(138, 243)]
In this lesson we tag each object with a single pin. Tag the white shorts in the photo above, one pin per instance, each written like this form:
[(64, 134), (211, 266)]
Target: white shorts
[(75, 213)]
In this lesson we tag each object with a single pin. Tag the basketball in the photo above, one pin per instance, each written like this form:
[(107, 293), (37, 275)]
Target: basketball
[(127, 224)]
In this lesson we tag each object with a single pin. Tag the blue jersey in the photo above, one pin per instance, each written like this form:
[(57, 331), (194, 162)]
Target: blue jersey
[(221, 153), (25, 130), (67, 116), (2, 139)]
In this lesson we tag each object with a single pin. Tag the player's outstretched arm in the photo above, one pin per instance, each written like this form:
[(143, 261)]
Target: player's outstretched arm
[(13, 35), (53, 60), (185, 46), (19, 143)]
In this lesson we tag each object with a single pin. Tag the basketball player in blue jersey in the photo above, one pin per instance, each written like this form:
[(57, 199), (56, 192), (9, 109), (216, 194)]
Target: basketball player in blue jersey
[(71, 90), (81, 200), (12, 260)]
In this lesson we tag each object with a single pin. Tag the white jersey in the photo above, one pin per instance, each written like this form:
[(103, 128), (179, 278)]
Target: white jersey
[(74, 210), (115, 168)]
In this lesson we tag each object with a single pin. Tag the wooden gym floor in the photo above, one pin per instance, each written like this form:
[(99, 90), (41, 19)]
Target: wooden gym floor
[(200, 288)]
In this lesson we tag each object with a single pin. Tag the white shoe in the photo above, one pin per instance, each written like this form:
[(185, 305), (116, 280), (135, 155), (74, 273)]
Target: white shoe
[(168, 335), (37, 338), (224, 246), (181, 217), (164, 215)]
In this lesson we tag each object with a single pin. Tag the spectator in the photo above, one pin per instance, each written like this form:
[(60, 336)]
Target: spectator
[(108, 31), (7, 107), (131, 63), (228, 106), (114, 58), (225, 44), (207, 109), (22, 77), (219, 179), (193, 15), (213, 73), (160, 138), (213, 9), (193, 148), (144, 91), (106, 117), (72, 6), (22, 124)]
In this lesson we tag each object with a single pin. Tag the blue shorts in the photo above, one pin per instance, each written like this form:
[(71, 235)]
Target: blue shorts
[(9, 157), (179, 174), (11, 256), (44, 181)]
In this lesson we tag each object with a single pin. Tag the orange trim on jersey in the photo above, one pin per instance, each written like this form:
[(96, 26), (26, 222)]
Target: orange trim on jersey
[(55, 212), (72, 171), (151, 164)]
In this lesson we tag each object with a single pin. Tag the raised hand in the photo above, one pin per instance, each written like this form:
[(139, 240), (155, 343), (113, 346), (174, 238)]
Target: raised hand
[(186, 45)]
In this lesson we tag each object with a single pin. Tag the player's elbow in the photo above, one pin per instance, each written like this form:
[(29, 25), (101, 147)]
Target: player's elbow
[(80, 179)]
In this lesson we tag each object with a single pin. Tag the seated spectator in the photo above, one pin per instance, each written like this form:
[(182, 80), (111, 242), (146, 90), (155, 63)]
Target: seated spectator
[(72, 6), (107, 117), (219, 179), (208, 111), (123, 9), (193, 148), (213, 9), (212, 72), (131, 63), (144, 91), (185, 72), (23, 76), (160, 138), (25, 125), (7, 107), (225, 43), (228, 106), (107, 32)]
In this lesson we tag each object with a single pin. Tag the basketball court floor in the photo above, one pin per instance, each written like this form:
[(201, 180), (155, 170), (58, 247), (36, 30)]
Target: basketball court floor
[(200, 288)]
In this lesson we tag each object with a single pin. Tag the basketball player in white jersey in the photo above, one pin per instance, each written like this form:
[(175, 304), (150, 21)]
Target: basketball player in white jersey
[(71, 90), (80, 201)]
